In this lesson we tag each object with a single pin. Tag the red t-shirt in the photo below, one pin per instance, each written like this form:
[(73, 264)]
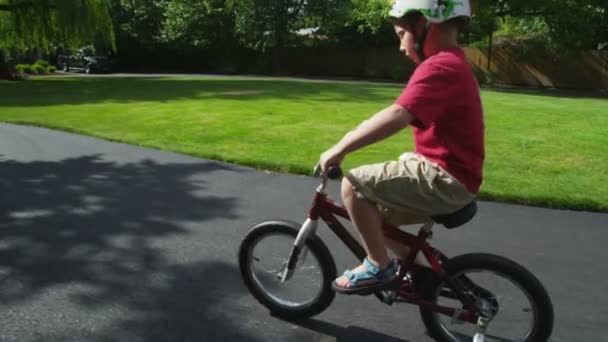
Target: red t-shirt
[(443, 96)]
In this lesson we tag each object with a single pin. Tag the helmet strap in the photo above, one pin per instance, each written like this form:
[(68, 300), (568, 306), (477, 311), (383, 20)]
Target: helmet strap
[(420, 42)]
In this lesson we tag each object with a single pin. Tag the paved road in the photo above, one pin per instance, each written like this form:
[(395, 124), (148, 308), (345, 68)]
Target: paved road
[(107, 242), (565, 92), (213, 76)]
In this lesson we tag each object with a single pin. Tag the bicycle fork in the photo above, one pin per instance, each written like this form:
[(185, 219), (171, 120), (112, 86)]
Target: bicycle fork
[(309, 227), (482, 326)]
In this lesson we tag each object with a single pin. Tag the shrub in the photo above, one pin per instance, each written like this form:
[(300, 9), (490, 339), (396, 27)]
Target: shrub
[(24, 69), (39, 69), (42, 62), (483, 76), (51, 69)]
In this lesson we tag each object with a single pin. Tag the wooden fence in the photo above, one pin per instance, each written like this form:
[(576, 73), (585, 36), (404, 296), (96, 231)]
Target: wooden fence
[(581, 70)]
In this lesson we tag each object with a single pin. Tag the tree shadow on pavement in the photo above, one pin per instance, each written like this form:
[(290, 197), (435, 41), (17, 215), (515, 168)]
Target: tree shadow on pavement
[(97, 233), (188, 302), (94, 222), (195, 302), (350, 333)]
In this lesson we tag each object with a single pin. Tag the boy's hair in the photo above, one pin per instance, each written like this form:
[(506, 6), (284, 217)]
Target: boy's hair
[(406, 20)]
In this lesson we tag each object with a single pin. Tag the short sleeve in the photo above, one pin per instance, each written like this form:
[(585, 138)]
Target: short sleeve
[(426, 94)]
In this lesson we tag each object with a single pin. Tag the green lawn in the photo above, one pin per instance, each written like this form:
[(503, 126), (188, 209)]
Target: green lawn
[(541, 149)]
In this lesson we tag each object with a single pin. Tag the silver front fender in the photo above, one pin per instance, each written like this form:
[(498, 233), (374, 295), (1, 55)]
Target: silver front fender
[(309, 227)]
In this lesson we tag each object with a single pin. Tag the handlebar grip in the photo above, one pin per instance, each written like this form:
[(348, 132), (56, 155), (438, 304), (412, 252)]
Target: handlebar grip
[(334, 172)]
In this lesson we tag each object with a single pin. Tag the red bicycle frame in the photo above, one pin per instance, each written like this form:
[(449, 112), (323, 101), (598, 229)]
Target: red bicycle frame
[(325, 209)]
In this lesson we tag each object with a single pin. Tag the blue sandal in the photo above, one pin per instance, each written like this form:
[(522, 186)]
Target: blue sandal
[(369, 281)]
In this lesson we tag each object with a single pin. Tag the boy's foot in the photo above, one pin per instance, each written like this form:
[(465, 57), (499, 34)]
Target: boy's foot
[(367, 279)]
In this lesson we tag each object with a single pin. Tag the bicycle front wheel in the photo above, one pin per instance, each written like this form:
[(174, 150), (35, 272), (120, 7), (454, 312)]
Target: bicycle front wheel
[(263, 259), (513, 301)]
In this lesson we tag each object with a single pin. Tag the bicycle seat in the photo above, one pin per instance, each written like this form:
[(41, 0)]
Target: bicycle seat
[(457, 218)]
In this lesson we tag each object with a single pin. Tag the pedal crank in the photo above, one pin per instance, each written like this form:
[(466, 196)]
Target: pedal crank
[(389, 296)]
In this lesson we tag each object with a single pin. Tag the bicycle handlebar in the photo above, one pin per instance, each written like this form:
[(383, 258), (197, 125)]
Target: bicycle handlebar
[(334, 172)]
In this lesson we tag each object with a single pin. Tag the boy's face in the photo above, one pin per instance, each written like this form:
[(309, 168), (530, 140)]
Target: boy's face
[(405, 30)]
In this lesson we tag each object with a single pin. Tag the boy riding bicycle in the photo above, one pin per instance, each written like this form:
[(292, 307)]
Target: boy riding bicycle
[(442, 103)]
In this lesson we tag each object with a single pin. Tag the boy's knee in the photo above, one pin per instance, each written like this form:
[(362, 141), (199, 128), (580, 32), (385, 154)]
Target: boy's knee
[(347, 190)]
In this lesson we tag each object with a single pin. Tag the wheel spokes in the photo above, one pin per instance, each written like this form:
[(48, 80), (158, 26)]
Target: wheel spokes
[(514, 324), (269, 267)]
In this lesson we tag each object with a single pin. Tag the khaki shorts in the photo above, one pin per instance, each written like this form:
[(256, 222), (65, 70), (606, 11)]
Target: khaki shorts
[(409, 190)]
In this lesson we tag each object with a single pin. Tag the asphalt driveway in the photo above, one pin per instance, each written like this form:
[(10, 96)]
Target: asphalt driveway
[(102, 241)]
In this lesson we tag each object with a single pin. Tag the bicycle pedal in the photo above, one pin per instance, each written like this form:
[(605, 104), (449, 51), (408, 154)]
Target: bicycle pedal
[(389, 296)]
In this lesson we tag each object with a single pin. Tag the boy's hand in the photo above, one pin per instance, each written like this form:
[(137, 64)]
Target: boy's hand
[(331, 157)]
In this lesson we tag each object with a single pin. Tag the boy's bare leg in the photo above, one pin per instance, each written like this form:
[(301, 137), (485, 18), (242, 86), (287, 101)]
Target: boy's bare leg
[(368, 221), (401, 251)]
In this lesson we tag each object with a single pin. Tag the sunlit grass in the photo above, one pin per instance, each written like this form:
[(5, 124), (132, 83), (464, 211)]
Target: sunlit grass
[(541, 149)]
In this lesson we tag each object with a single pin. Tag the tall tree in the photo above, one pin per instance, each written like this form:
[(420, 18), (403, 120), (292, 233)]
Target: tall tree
[(577, 24), (198, 23), (26, 24), (368, 14), (564, 24), (141, 20), (264, 24)]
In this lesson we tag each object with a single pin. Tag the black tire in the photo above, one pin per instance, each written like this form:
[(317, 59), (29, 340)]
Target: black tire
[(517, 274), (315, 246)]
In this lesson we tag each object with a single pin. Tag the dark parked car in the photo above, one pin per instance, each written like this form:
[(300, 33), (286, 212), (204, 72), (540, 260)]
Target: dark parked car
[(84, 60)]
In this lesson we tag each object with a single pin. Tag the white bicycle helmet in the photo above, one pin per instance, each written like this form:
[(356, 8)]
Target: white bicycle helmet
[(436, 11)]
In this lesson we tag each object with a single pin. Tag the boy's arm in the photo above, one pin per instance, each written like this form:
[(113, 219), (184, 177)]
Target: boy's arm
[(384, 124)]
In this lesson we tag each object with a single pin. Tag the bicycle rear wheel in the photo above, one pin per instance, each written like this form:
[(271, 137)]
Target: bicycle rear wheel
[(515, 302), (263, 259)]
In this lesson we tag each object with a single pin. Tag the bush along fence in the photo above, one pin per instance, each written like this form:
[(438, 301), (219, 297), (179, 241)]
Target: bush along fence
[(40, 67)]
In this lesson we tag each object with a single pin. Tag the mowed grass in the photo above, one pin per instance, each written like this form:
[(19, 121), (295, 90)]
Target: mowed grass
[(546, 150)]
